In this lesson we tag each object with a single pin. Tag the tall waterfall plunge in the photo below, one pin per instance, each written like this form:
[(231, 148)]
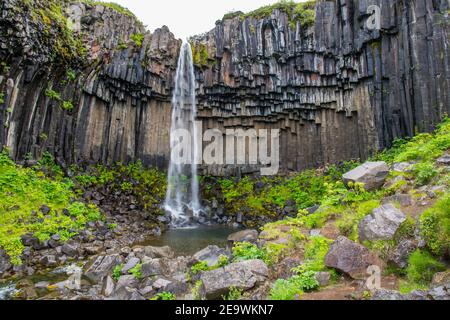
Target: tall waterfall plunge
[(182, 199)]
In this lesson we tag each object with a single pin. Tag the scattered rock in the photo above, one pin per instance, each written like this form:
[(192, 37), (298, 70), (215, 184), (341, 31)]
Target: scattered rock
[(243, 275), (70, 248), (152, 267), (405, 200), (127, 281), (382, 224), (441, 278), (371, 174), (108, 286), (243, 236), (444, 160), (402, 166), (437, 293), (323, 278), (48, 260), (351, 258), (401, 253), (130, 264), (210, 255), (101, 266)]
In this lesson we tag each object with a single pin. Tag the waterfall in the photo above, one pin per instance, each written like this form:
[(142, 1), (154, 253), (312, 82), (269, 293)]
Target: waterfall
[(182, 199)]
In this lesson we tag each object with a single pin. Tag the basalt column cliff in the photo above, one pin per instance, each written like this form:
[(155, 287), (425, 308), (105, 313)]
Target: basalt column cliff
[(336, 88)]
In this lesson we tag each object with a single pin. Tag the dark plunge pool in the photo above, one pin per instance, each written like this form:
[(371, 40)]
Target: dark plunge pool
[(189, 241)]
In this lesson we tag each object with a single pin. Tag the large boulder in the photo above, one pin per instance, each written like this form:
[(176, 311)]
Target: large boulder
[(381, 224), (371, 174), (158, 252), (243, 236), (351, 258), (242, 275), (101, 266), (210, 255)]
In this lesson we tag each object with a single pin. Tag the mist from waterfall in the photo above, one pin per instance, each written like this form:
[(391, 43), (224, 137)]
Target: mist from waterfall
[(182, 199)]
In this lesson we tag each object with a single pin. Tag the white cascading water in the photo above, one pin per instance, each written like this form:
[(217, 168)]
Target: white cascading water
[(182, 199)]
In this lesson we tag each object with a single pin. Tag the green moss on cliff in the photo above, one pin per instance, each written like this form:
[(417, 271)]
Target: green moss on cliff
[(114, 6), (200, 55), (49, 16), (303, 12)]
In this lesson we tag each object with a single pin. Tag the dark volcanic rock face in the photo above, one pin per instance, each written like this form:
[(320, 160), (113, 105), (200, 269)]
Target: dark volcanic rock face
[(120, 94), (337, 90)]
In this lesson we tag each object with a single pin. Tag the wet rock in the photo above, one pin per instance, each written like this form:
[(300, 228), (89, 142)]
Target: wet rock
[(382, 224), (350, 258), (101, 266), (243, 236), (42, 285), (371, 174), (243, 275), (210, 255), (5, 263)]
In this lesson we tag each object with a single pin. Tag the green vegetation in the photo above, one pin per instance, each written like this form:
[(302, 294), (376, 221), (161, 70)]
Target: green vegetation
[(52, 94), (164, 296), (2, 97), (196, 295), (114, 6), (133, 179), (67, 105), (200, 55), (435, 227), (422, 266), (23, 191), (247, 251), (302, 12), (233, 295), (423, 147), (136, 271), (66, 47), (137, 38), (117, 272), (270, 253), (294, 287), (203, 265)]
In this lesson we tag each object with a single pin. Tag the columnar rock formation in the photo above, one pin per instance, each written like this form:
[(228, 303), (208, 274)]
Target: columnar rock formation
[(337, 89)]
